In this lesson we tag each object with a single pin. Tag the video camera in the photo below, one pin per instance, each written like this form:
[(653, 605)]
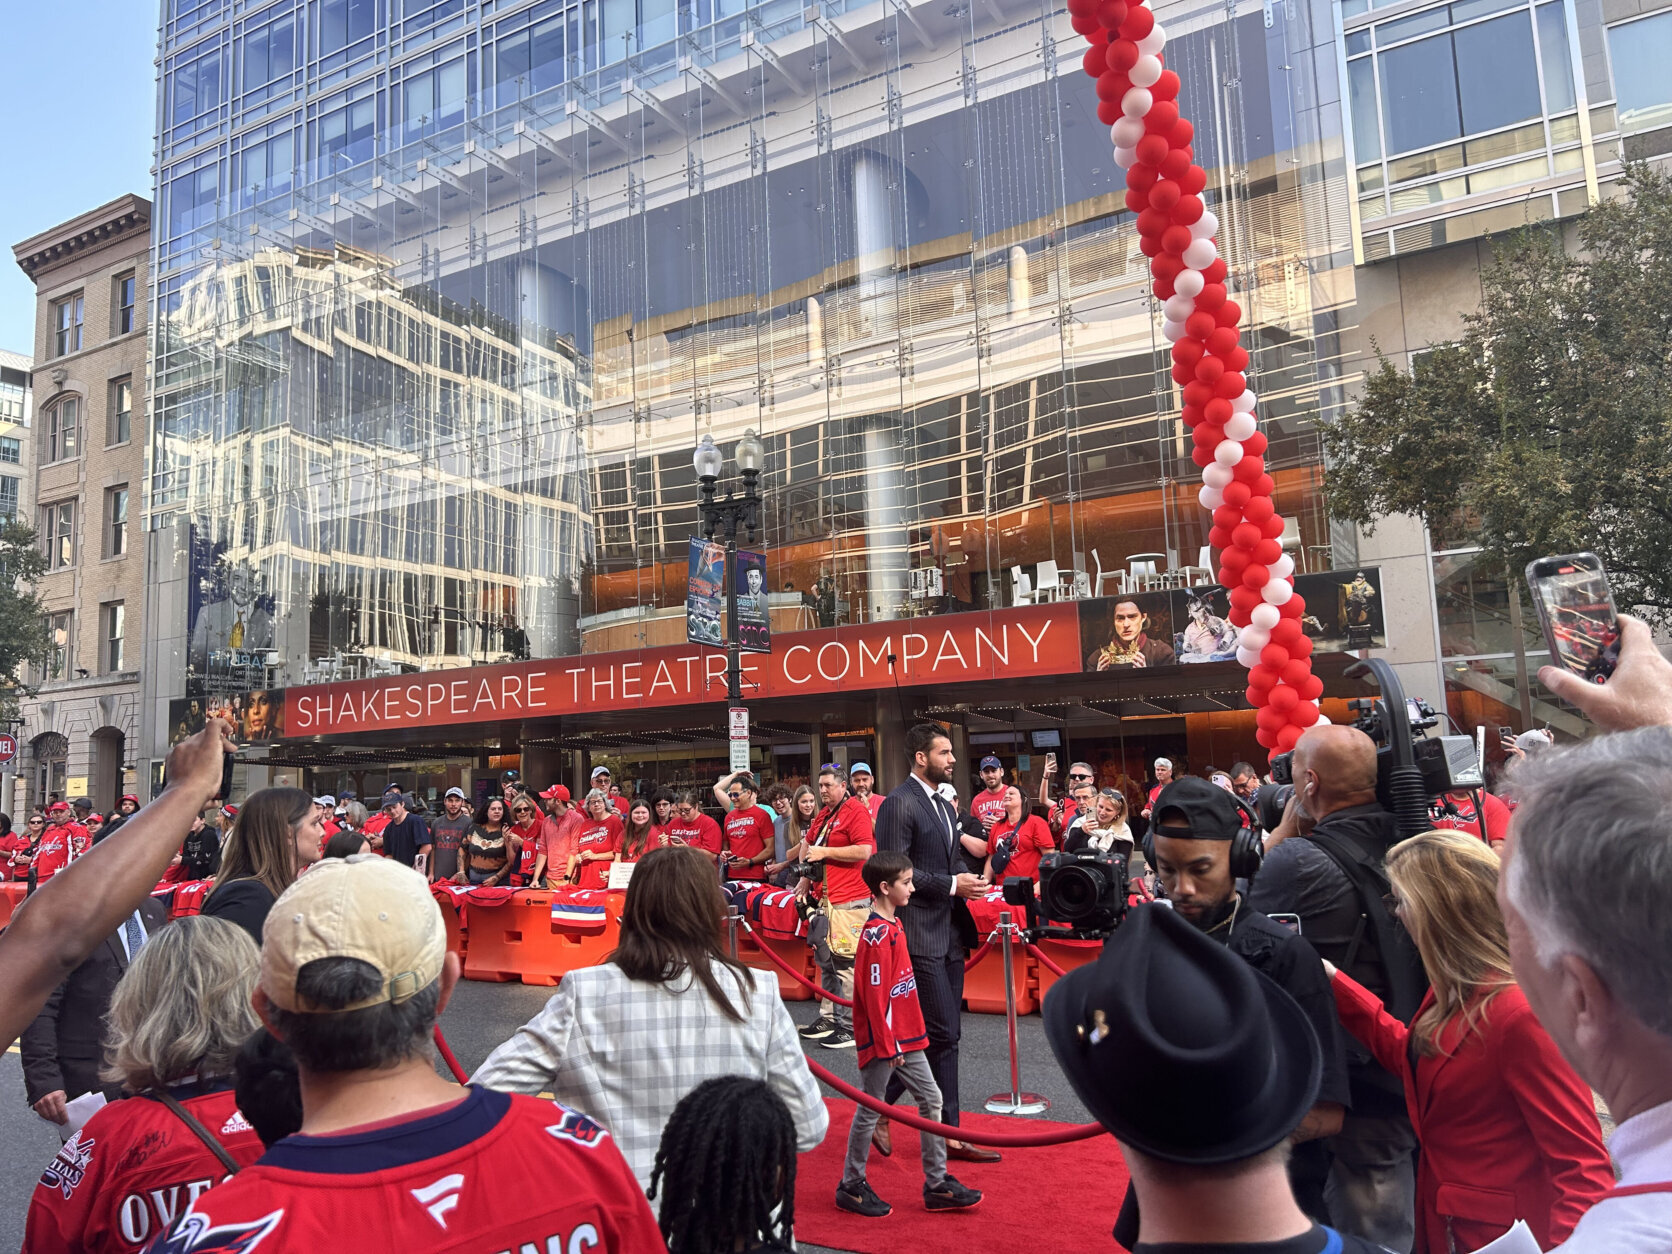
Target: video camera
[(1082, 895), (1411, 767)]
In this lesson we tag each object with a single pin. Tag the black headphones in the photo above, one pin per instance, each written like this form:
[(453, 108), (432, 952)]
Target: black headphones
[(1248, 846)]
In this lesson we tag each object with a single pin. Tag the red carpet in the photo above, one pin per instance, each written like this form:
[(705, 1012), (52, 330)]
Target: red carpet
[(1056, 1197)]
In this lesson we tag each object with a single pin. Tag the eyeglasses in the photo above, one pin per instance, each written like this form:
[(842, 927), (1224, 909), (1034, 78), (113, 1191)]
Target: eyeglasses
[(1085, 778)]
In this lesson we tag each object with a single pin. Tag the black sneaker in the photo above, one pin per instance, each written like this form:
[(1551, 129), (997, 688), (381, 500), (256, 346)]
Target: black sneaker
[(949, 1196), (841, 1038), (862, 1199), (818, 1029)]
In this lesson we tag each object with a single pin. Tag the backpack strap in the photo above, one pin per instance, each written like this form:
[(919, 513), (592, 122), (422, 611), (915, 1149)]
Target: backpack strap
[(198, 1130)]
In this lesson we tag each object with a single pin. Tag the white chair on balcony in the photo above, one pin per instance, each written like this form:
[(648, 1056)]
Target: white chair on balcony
[(1102, 577), (1021, 587), (1290, 538), (1050, 582), (1199, 574)]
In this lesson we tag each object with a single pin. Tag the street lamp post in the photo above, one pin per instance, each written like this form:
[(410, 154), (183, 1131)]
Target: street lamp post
[(726, 517)]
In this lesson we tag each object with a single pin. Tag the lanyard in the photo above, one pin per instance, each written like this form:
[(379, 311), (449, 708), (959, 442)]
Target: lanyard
[(1636, 1190)]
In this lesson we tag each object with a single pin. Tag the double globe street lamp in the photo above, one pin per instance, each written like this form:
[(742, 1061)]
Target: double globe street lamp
[(725, 517)]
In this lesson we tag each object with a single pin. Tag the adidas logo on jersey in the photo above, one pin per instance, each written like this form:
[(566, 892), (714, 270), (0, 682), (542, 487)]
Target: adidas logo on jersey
[(236, 1124), (439, 1198)]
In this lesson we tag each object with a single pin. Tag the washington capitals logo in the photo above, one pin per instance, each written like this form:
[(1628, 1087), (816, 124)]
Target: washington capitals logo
[(193, 1235), (576, 1127)]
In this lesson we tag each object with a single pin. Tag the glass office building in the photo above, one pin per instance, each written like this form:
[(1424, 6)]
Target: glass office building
[(448, 290)]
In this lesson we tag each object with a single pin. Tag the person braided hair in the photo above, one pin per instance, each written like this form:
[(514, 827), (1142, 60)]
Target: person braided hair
[(725, 1164)]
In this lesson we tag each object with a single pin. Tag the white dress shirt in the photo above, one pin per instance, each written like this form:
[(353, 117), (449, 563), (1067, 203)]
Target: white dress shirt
[(1642, 1148), (938, 804), (625, 1051)]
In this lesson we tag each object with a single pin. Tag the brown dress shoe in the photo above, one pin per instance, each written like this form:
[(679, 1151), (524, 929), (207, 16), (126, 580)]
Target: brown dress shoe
[(883, 1139), (965, 1152)]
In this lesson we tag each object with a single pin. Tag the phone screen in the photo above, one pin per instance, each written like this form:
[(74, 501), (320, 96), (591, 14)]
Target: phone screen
[(1576, 606)]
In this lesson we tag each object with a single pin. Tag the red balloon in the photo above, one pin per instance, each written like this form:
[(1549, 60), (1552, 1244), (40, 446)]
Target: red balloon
[(1243, 600), (1191, 414), (1262, 677), (1166, 87), (1152, 222), (1136, 202), (1275, 656), (1166, 266), (1237, 358), (1222, 341), (1189, 210), (1245, 536), (1292, 607), (1267, 551), (1255, 576), (1256, 444), (1084, 24), (1259, 509), (1093, 61), (1237, 494), (1180, 136), (1162, 117), (1151, 149), (1271, 719), (1200, 325), (1208, 436), (1236, 561), (1287, 738), (1209, 369), (1149, 245), (1139, 22), (1140, 178), (1175, 239), (1175, 165), (1272, 528), (1078, 7), (1199, 455), (1303, 716), (1163, 289), (1286, 632), (1248, 469), (1196, 393), (1303, 646), (1255, 697), (1265, 485), (1112, 13), (1165, 196), (1212, 297), (1112, 86), (1284, 698), (1313, 688), (1227, 517), (1231, 386), (1183, 374), (1217, 411), (1218, 538), (1187, 351), (1228, 314), (1109, 112), (1296, 671), (1123, 54), (1194, 179)]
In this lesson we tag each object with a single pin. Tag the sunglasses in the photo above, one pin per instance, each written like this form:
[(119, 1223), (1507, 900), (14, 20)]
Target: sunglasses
[(735, 796), (1084, 778)]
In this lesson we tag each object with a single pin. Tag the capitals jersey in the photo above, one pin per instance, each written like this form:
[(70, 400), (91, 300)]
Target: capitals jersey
[(886, 1017), (61, 844), (132, 1170), (493, 1174)]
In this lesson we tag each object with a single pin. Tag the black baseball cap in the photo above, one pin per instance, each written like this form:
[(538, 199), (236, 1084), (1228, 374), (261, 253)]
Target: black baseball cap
[(1207, 808)]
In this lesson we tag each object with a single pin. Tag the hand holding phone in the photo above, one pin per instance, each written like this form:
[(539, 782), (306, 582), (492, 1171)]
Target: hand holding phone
[(1575, 604)]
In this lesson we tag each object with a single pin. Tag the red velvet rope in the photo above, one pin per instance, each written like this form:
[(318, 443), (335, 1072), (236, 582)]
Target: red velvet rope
[(1010, 1140), (448, 1057), (802, 980), (1045, 960)]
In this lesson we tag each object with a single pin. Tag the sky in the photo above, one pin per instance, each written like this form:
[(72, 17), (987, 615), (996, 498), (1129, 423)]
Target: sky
[(78, 95)]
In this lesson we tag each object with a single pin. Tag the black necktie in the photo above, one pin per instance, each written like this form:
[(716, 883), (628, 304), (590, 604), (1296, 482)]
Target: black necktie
[(950, 815)]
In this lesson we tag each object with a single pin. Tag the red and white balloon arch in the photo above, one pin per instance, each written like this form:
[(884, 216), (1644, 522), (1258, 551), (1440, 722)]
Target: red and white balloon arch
[(1138, 100)]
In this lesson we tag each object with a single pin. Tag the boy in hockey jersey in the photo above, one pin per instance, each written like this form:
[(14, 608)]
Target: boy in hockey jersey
[(888, 1027)]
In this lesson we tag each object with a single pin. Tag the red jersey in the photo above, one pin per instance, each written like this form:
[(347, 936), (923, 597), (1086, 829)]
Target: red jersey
[(1027, 840), (623, 805), (598, 836), (849, 825), (872, 802), (435, 1182), (989, 805), (61, 844), (701, 832), (529, 836), (1466, 820), (13, 843), (132, 1170), (330, 827), (748, 835), (1153, 794), (886, 1017)]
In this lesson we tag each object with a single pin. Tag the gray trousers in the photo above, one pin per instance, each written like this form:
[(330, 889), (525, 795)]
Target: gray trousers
[(1372, 1187), (914, 1073)]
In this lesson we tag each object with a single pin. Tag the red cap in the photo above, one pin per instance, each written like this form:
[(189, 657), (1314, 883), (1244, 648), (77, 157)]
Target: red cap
[(128, 796), (557, 792), (95, 818), (231, 812), (56, 806)]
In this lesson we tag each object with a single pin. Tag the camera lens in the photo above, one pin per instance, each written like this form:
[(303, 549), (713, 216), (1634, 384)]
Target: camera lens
[(1074, 893)]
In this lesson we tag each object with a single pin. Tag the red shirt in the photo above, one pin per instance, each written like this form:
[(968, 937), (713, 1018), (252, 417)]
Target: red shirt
[(530, 851), (435, 1182), (989, 805), (1466, 820), (850, 825), (10, 843), (61, 844), (330, 827), (701, 832), (131, 1171), (748, 834), (1031, 839), (1154, 793), (656, 838), (872, 802), (886, 1017), (595, 836)]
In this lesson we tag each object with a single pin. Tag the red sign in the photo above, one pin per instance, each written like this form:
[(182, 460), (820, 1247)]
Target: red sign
[(955, 648), (8, 746)]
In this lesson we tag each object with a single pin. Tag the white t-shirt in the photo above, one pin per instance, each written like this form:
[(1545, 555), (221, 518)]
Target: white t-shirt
[(1642, 1147)]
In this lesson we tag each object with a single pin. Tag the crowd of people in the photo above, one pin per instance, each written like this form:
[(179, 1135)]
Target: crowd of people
[(1324, 1038)]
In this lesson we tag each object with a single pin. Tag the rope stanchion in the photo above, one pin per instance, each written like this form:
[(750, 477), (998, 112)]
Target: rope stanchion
[(978, 955), (1044, 959), (448, 1057), (1006, 1140), (793, 973)]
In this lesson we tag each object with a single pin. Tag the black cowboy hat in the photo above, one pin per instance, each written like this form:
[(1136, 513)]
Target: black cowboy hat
[(1179, 1047)]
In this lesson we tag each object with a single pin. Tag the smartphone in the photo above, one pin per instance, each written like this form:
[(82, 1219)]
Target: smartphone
[(1050, 759), (1506, 733), (1576, 606), (226, 777)]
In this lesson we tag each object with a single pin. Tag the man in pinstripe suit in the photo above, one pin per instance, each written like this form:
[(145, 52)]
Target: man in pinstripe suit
[(916, 821)]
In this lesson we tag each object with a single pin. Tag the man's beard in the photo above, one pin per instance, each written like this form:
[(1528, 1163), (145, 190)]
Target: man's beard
[(937, 775), (1211, 917)]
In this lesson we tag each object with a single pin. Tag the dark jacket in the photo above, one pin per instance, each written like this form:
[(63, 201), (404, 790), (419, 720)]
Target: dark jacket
[(64, 1047), (200, 855), (938, 923), (244, 902)]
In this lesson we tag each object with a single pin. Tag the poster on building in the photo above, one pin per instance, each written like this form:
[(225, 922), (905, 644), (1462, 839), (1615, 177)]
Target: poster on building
[(1344, 609), (1205, 633), (754, 621), (1131, 630), (703, 588)]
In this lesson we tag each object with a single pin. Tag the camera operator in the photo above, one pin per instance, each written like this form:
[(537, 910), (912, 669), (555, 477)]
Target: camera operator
[(1333, 879), (1194, 840), (839, 840)]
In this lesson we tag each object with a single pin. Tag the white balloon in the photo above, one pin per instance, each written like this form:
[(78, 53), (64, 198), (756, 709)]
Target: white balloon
[(1229, 453), (1127, 132), (1277, 592), (1146, 72), (1248, 657), (1206, 226), (1178, 308), (1137, 102), (1126, 158), (1153, 42), (1264, 617), (1189, 283), (1217, 476), (1253, 639), (1243, 404), (1201, 254), (1172, 331), (1240, 426), (1211, 498), (1283, 567)]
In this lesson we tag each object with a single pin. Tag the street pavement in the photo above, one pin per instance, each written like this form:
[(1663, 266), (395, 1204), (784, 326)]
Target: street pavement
[(480, 1016)]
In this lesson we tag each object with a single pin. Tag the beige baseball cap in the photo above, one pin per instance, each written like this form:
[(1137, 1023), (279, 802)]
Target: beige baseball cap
[(363, 907)]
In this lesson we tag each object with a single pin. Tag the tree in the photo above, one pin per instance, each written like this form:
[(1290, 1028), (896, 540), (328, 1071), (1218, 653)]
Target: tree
[(1548, 427), (23, 634)]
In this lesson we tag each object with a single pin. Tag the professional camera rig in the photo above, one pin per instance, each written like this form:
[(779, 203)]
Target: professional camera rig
[(1082, 895)]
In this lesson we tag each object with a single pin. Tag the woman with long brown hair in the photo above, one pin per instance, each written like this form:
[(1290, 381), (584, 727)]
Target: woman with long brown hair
[(276, 835), (641, 834), (625, 1041), (1507, 1130)]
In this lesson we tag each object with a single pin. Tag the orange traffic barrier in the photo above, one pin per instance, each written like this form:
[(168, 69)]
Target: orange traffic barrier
[(793, 951), (450, 919), (11, 894), (495, 950), (1067, 954), (984, 981), (519, 940)]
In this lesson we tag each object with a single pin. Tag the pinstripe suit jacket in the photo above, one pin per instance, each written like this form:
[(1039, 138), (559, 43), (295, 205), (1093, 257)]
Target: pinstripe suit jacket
[(938, 924)]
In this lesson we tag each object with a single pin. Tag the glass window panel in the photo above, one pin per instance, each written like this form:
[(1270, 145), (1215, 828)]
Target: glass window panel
[(1373, 207), (1504, 144), (1419, 95), (1565, 130), (546, 54), (1370, 178), (1558, 63), (342, 22), (1441, 159), (1405, 198), (1508, 175), (1572, 159), (1361, 91), (1497, 73), (1357, 42), (1352, 8), (1468, 10), (1410, 27), (197, 87), (1640, 52)]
